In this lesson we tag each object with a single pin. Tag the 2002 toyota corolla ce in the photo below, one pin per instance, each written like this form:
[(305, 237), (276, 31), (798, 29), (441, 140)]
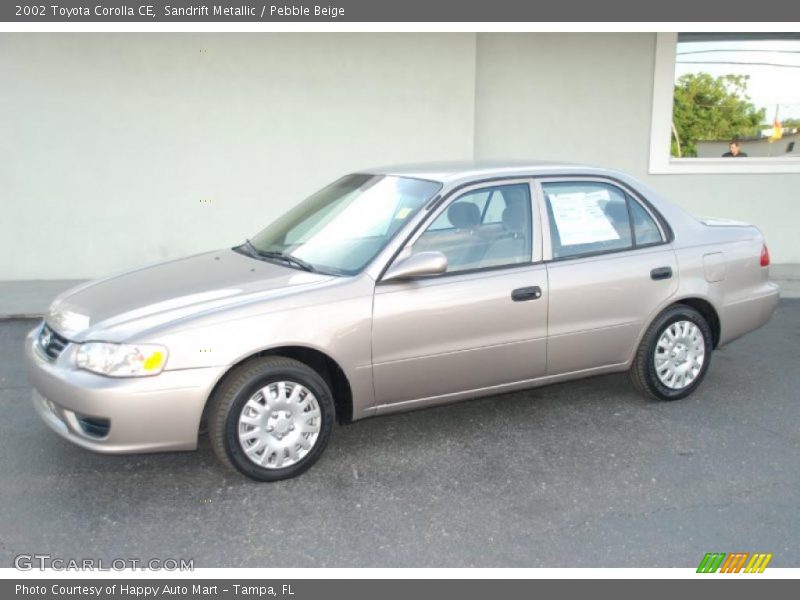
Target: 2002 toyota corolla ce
[(391, 290)]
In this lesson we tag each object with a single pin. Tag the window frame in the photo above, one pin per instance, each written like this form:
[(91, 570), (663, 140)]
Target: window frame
[(661, 163), (629, 194), (537, 245), (488, 203)]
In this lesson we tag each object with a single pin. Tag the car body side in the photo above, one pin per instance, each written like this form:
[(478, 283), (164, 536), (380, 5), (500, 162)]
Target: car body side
[(332, 321)]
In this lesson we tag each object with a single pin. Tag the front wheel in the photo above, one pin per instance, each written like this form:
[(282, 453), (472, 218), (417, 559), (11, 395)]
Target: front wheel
[(674, 354), (271, 418)]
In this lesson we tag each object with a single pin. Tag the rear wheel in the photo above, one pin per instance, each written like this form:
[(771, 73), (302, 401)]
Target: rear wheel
[(271, 418), (674, 354)]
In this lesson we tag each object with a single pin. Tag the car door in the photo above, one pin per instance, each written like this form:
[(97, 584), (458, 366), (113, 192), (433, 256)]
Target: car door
[(481, 324), (610, 265)]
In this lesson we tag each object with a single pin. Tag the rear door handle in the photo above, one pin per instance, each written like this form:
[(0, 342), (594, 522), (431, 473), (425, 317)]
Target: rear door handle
[(661, 273), (526, 293)]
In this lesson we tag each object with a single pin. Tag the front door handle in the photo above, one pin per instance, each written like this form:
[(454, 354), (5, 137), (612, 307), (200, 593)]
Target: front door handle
[(526, 293), (661, 273)]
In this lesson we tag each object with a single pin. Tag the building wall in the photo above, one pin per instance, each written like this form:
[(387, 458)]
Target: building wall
[(122, 150), (587, 98), (118, 150)]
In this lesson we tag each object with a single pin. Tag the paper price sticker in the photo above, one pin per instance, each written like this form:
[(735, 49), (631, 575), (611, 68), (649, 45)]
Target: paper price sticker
[(580, 219)]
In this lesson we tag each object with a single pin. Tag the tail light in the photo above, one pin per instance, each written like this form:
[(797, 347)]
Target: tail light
[(764, 256)]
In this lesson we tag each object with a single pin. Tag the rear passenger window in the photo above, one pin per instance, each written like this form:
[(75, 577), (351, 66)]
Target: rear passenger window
[(490, 227), (590, 217)]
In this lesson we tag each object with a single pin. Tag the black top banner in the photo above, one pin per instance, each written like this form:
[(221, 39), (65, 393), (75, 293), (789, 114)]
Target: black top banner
[(400, 10)]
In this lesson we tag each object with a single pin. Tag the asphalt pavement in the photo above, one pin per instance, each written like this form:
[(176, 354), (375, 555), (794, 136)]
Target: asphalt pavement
[(580, 474)]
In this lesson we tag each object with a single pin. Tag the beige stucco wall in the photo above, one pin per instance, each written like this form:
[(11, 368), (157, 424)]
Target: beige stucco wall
[(587, 98), (109, 142), (118, 150)]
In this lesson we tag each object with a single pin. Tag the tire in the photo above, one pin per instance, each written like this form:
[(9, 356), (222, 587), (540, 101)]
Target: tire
[(660, 378), (271, 418)]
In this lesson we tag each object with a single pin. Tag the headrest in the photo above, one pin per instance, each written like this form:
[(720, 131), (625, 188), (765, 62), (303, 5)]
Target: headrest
[(514, 195), (464, 215), (514, 217)]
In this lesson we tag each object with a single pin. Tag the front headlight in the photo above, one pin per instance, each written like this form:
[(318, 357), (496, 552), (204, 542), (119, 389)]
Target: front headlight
[(122, 360)]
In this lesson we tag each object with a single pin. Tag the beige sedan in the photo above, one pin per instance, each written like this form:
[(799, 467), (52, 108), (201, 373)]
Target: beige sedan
[(395, 289)]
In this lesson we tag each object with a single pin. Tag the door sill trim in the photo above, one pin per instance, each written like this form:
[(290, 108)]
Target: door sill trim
[(406, 405)]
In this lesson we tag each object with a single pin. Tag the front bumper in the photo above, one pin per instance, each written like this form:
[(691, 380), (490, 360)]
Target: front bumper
[(142, 414)]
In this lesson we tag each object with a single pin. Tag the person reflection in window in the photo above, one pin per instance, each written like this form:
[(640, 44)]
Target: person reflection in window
[(734, 151)]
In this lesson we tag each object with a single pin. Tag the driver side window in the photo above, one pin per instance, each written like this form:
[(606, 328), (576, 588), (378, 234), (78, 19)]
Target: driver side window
[(488, 227)]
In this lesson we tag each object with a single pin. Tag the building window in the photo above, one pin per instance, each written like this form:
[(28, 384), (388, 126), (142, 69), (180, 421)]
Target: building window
[(726, 103)]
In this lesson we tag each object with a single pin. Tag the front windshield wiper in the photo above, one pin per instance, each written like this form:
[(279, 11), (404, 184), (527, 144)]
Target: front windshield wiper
[(271, 255), (298, 262)]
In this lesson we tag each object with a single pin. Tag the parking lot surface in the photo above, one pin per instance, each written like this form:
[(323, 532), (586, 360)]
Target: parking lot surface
[(581, 474)]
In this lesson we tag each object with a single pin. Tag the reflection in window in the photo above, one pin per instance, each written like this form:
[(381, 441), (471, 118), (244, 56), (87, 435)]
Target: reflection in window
[(736, 96)]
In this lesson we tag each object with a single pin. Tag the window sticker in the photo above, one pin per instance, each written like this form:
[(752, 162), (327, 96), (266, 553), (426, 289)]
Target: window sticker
[(580, 218)]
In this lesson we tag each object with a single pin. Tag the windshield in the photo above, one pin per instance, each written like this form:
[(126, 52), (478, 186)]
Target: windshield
[(341, 228)]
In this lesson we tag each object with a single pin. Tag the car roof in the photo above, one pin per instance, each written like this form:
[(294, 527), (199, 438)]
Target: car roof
[(464, 171), (457, 173)]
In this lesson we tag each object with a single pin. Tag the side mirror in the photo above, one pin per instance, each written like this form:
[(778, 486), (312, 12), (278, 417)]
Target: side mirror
[(424, 264)]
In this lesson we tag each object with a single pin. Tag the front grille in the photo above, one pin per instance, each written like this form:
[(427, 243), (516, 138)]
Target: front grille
[(51, 343)]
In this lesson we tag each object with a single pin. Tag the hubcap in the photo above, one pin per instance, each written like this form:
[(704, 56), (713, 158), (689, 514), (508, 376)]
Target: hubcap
[(279, 424), (679, 355)]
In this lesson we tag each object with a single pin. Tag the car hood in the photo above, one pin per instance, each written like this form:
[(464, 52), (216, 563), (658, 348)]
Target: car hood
[(152, 296)]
